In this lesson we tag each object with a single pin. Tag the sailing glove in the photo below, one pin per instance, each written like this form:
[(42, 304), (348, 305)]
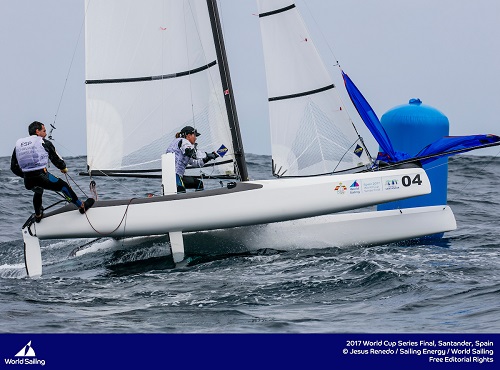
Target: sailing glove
[(190, 152), (210, 156)]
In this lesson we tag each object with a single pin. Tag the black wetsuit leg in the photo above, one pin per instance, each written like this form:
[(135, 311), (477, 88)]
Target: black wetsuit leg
[(49, 182), (192, 183), (37, 199)]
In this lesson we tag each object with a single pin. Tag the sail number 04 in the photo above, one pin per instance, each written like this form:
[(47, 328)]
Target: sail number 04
[(407, 181)]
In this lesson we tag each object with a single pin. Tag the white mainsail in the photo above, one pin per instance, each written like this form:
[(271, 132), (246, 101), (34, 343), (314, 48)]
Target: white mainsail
[(311, 132), (151, 69)]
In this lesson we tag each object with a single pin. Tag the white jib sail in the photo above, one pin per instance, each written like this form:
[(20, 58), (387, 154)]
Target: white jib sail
[(151, 69), (311, 132)]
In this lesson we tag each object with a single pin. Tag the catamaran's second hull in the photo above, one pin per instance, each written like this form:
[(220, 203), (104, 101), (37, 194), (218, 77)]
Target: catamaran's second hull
[(365, 228), (248, 203)]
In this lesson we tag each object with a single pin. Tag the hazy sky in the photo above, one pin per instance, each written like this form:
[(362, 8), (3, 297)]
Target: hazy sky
[(445, 52)]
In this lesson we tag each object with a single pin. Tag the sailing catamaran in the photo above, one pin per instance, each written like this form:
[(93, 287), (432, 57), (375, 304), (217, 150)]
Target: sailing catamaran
[(154, 66)]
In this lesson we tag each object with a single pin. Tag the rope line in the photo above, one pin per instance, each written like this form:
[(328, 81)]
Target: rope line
[(116, 228), (92, 187)]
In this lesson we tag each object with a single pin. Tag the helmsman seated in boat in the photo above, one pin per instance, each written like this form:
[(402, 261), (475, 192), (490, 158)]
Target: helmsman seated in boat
[(184, 148)]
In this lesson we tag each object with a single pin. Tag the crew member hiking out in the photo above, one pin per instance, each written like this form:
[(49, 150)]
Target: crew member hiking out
[(184, 148), (29, 161)]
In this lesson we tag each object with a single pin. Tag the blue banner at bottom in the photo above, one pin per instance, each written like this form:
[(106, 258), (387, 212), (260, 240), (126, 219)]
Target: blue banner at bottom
[(233, 351)]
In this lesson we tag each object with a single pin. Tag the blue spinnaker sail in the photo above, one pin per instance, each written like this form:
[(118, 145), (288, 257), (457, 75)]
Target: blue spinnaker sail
[(451, 145), (446, 146), (369, 117)]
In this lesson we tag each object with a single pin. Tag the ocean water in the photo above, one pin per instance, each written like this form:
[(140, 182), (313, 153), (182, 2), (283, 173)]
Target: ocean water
[(449, 285)]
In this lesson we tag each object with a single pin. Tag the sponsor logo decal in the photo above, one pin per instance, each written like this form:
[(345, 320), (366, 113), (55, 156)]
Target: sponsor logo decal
[(358, 151), (372, 185), (355, 188), (25, 356), (391, 184), (340, 188), (222, 151)]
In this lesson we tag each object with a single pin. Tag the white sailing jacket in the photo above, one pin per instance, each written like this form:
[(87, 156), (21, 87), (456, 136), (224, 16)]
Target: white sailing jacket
[(182, 160), (31, 155)]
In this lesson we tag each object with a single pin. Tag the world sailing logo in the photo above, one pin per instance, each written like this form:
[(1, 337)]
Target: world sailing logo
[(26, 356), (26, 351)]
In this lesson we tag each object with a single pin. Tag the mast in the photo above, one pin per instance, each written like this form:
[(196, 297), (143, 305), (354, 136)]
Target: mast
[(239, 153)]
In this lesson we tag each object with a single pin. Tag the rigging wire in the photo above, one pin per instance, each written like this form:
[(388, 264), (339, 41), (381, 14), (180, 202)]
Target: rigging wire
[(230, 98), (69, 71), (337, 64), (78, 186), (469, 182), (188, 59), (52, 125), (348, 151), (226, 73), (322, 35), (162, 69), (220, 105), (481, 170), (92, 183)]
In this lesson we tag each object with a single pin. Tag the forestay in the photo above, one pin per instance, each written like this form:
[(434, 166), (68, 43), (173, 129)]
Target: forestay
[(151, 68), (311, 132)]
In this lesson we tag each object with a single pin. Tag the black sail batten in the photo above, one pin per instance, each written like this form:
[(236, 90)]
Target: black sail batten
[(152, 78), (305, 93), (277, 11), (96, 173), (228, 89), (151, 173), (282, 174)]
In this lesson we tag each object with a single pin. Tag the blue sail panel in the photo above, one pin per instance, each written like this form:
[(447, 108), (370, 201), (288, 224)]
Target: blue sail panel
[(370, 119), (451, 145)]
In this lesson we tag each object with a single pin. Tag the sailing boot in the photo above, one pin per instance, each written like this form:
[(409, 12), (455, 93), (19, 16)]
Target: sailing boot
[(86, 205), (39, 217)]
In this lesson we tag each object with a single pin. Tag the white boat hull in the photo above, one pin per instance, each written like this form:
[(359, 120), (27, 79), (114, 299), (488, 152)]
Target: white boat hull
[(339, 230), (249, 203)]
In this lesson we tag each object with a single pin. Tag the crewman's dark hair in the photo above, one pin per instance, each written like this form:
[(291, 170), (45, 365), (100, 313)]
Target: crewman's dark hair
[(35, 125)]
